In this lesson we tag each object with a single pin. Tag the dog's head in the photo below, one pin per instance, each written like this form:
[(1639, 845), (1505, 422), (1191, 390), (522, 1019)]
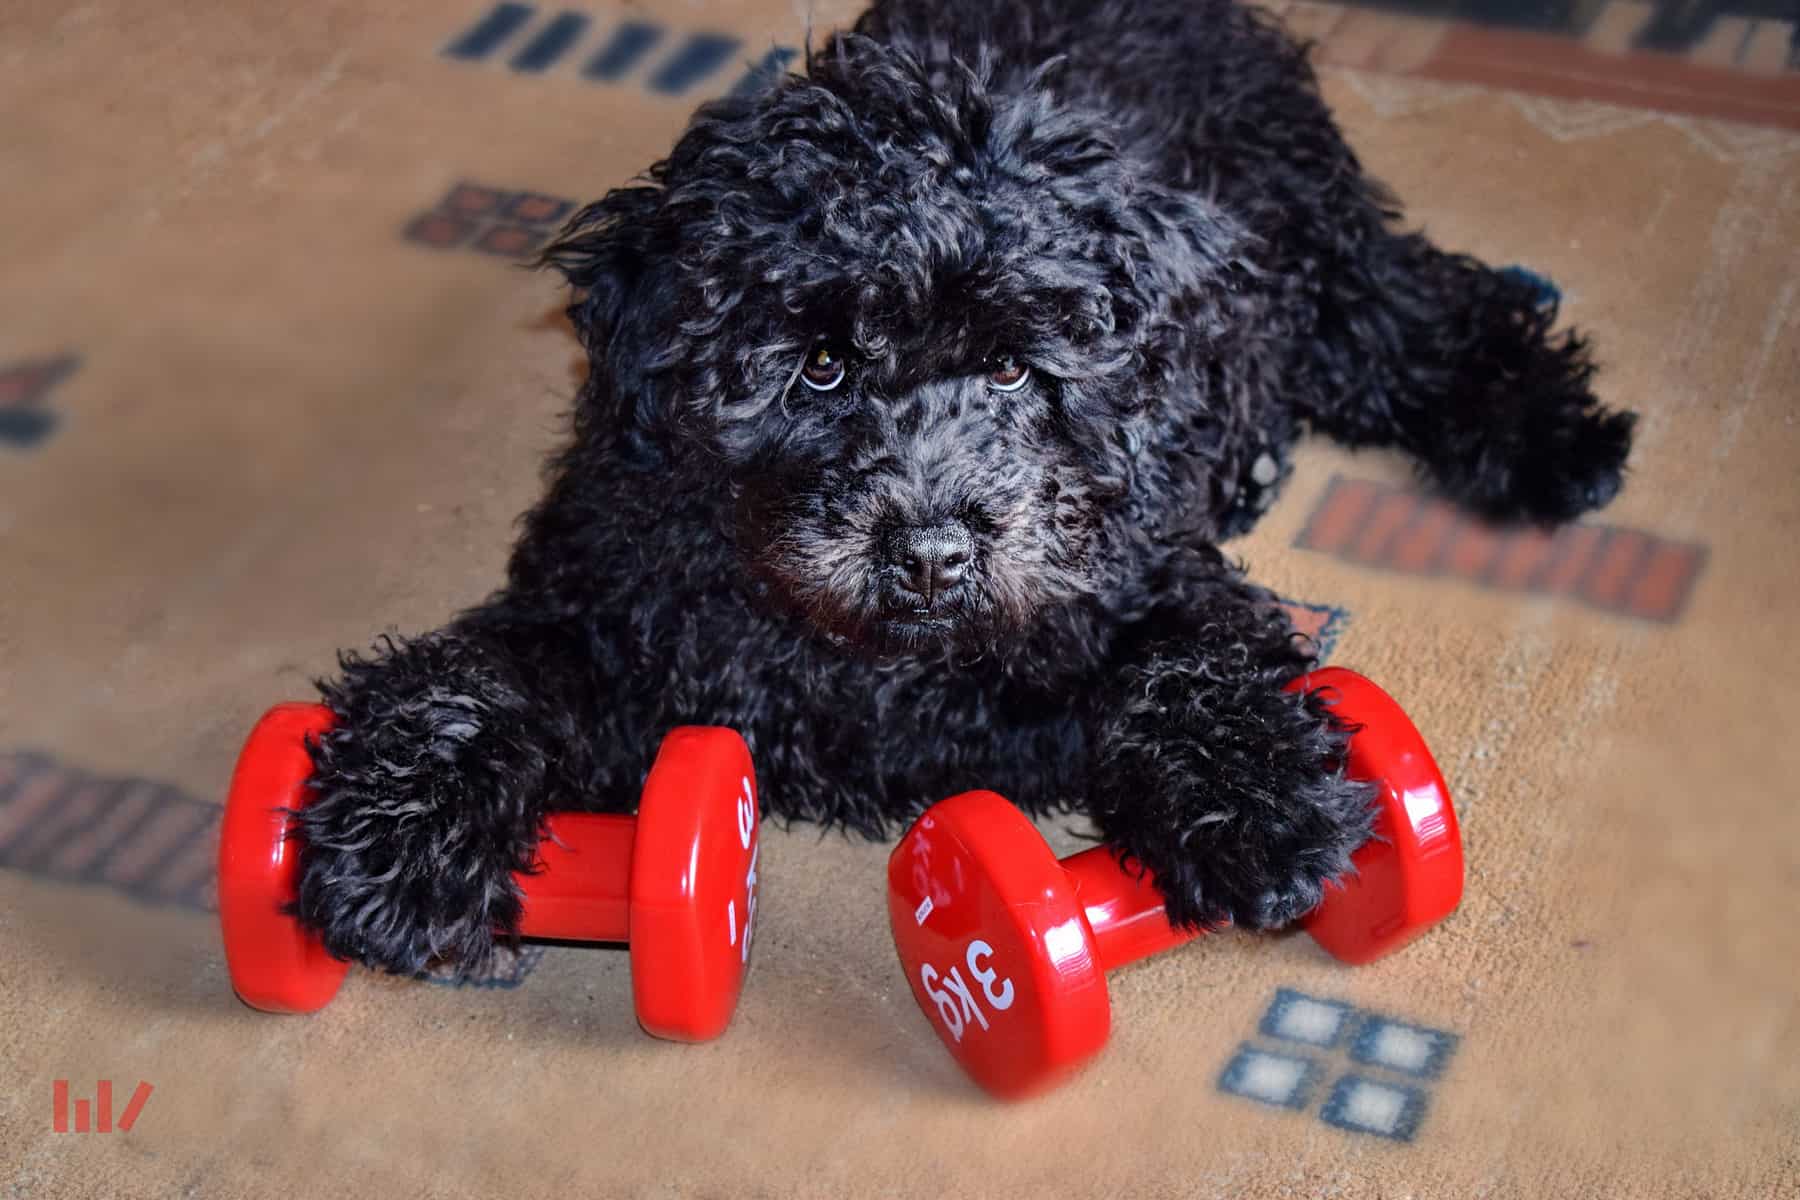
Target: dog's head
[(923, 322)]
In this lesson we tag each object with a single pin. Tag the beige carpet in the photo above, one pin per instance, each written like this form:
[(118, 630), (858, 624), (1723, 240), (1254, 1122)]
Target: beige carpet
[(268, 386)]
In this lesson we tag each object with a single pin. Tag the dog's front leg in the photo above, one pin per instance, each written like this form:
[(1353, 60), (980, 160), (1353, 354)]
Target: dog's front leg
[(429, 791), (1229, 789)]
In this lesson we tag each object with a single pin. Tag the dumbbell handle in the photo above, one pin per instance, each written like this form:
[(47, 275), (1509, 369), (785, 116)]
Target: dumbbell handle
[(581, 890), (1122, 907)]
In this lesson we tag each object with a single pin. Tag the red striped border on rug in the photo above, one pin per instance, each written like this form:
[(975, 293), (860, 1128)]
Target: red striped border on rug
[(1625, 572)]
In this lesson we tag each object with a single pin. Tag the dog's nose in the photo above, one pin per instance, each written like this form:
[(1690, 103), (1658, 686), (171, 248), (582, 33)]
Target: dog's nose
[(931, 559)]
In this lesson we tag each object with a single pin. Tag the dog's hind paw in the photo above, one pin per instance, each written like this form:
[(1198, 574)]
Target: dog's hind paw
[(1574, 467)]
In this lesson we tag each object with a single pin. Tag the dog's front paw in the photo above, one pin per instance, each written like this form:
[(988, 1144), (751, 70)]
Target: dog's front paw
[(1266, 870), (1271, 871), (1235, 800), (402, 895), (421, 813)]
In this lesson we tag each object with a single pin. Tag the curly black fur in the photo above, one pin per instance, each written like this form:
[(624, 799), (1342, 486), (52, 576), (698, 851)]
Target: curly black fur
[(1144, 204)]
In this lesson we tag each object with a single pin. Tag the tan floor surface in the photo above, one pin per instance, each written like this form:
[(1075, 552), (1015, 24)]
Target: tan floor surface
[(291, 427)]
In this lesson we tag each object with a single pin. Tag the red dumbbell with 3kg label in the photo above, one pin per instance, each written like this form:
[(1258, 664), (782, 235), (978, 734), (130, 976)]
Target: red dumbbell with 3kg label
[(677, 881), (1007, 948)]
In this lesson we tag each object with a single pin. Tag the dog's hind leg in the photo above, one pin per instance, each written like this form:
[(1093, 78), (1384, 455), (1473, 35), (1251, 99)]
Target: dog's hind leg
[(1456, 363)]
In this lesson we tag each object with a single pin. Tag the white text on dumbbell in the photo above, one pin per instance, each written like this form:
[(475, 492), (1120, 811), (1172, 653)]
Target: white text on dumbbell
[(956, 1003), (746, 820)]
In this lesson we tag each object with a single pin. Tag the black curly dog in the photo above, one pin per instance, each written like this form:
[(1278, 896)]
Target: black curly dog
[(921, 388)]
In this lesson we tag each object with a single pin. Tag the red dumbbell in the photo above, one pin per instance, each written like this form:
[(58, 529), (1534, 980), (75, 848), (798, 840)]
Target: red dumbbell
[(678, 880), (1007, 948)]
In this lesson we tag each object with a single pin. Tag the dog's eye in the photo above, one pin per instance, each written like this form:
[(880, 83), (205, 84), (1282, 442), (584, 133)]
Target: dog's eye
[(1006, 373), (824, 369)]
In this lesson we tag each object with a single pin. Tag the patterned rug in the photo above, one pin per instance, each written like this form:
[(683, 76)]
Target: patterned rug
[(270, 384)]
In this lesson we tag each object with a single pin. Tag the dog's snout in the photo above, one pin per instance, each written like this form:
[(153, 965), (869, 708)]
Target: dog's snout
[(931, 559)]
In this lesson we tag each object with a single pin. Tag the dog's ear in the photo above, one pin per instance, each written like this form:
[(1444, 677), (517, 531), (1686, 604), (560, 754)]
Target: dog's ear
[(1165, 260), (1176, 261), (605, 252), (613, 254)]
